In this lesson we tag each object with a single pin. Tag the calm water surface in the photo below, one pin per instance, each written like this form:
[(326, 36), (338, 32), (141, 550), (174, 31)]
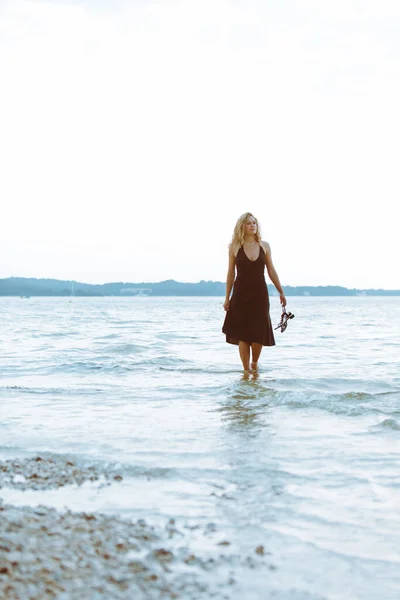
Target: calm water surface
[(304, 459)]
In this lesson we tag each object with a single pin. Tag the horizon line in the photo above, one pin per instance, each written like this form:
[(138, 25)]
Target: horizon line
[(201, 281)]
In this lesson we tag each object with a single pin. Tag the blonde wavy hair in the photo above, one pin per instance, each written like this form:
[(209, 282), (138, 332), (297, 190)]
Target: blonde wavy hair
[(239, 231)]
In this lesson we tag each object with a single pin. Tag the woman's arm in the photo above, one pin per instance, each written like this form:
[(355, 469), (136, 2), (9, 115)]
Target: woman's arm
[(273, 275), (230, 277)]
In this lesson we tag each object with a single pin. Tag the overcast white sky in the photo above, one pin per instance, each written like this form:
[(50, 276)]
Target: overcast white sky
[(134, 133)]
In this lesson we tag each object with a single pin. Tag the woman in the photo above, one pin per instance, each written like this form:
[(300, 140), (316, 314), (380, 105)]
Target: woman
[(247, 321)]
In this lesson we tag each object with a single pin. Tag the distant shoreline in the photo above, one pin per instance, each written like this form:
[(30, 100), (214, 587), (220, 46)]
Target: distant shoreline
[(28, 287)]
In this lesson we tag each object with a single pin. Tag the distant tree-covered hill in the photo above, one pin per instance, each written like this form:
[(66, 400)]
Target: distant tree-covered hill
[(22, 286)]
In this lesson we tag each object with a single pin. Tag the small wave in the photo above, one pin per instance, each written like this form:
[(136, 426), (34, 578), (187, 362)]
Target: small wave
[(55, 334), (339, 386), (20, 389), (79, 365), (168, 363), (203, 370), (125, 349), (98, 366), (122, 322), (387, 424), (348, 403), (171, 335), (339, 404)]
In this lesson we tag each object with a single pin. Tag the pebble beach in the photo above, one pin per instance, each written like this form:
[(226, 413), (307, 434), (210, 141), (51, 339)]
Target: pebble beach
[(49, 554)]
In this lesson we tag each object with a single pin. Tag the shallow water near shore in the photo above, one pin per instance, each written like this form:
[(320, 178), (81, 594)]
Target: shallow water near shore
[(302, 458)]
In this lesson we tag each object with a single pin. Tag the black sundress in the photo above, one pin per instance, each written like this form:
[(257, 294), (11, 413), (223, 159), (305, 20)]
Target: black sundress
[(248, 319)]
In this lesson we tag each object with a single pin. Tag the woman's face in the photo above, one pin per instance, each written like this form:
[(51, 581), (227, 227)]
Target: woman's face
[(250, 227)]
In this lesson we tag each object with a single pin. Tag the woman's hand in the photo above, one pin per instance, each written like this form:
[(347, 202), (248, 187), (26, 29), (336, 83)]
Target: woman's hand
[(226, 304), (282, 299)]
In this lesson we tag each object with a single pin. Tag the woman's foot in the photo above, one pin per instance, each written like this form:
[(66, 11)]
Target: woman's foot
[(254, 366)]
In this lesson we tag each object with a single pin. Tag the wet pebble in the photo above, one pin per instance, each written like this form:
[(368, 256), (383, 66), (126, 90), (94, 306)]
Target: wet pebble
[(40, 473)]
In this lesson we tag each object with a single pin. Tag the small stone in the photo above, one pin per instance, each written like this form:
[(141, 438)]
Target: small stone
[(41, 511), (189, 559), (137, 567), (164, 555), (260, 550)]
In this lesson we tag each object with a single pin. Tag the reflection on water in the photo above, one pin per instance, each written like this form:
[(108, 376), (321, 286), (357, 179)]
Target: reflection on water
[(245, 406), (239, 415)]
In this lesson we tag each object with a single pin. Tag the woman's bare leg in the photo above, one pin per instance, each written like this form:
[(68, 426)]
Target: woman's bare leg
[(255, 355), (244, 351)]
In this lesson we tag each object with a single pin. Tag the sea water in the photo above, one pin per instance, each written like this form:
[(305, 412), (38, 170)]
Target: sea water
[(303, 459)]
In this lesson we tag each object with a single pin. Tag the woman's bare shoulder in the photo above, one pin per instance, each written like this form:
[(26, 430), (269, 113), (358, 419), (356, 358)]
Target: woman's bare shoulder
[(233, 248), (265, 246)]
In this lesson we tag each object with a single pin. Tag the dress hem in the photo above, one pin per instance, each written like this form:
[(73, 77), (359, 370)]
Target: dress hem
[(235, 341)]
